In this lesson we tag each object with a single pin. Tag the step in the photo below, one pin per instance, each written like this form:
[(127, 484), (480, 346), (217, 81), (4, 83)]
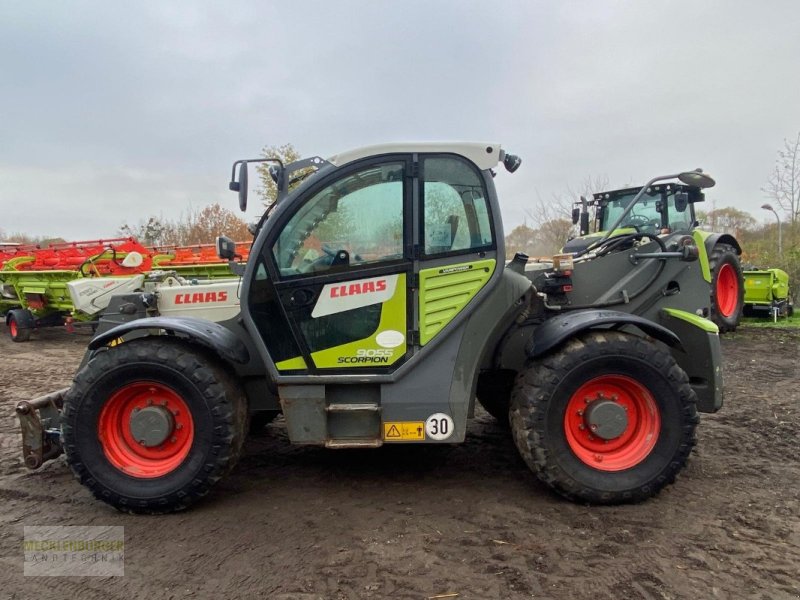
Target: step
[(364, 406), (354, 443)]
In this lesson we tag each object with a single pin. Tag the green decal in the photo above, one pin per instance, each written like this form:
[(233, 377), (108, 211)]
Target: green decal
[(445, 291), (291, 364), (385, 346), (699, 239), (695, 320)]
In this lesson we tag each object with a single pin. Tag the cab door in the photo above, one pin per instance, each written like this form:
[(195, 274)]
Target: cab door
[(331, 292), (457, 248)]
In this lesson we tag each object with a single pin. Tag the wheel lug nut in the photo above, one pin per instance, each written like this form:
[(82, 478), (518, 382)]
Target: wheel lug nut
[(173, 439), (580, 413), (179, 426), (581, 426), (594, 428)]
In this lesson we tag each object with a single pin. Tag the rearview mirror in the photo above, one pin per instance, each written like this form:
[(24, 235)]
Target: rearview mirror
[(226, 247), (243, 187), (697, 178), (576, 213), (681, 201)]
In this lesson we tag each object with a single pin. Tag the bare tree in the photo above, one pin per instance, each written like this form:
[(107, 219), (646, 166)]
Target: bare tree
[(150, 232), (196, 226), (552, 218), (729, 220), (783, 185), (521, 239)]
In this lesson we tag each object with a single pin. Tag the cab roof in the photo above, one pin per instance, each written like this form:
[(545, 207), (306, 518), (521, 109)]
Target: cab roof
[(484, 154)]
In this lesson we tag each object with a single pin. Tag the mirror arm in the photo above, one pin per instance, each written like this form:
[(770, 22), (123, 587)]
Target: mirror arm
[(628, 209)]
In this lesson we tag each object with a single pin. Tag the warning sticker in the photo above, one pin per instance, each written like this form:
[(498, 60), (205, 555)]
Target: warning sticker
[(403, 431)]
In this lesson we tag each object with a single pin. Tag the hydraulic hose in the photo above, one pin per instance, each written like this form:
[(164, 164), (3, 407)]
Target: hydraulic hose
[(608, 247)]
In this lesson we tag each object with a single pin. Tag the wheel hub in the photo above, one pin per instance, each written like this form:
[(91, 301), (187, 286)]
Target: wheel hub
[(151, 426), (606, 419), (612, 422)]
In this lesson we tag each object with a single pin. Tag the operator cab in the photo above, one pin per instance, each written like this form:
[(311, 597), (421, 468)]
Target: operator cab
[(661, 209)]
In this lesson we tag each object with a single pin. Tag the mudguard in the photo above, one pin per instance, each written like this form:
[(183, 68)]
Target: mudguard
[(712, 239), (558, 329), (702, 360), (212, 335)]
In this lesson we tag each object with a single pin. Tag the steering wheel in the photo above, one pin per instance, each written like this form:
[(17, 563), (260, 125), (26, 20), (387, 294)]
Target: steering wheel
[(321, 263), (637, 221)]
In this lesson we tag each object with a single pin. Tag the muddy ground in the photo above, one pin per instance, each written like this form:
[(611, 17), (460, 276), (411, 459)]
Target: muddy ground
[(303, 523)]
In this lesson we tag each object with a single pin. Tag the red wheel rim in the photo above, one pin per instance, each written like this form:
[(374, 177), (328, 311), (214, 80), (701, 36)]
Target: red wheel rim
[(12, 328), (727, 290), (633, 444), (121, 448)]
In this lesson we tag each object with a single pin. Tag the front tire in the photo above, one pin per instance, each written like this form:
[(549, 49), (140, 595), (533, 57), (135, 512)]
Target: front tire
[(259, 420), (494, 393), (609, 418), (727, 287), (152, 424)]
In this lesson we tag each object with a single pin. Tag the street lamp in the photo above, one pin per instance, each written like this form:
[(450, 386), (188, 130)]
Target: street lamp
[(780, 241)]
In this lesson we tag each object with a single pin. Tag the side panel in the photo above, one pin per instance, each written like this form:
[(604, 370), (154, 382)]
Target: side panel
[(211, 301), (445, 291)]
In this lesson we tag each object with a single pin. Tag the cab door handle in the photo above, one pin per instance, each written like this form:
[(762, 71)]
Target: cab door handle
[(301, 297)]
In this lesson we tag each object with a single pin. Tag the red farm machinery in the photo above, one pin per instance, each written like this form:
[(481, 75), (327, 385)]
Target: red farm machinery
[(71, 283)]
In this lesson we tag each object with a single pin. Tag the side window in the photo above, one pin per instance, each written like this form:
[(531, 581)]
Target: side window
[(678, 220), (354, 221), (456, 212)]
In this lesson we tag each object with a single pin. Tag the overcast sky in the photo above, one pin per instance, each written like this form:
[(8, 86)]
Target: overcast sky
[(114, 111)]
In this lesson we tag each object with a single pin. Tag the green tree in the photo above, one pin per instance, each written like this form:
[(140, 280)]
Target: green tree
[(287, 154)]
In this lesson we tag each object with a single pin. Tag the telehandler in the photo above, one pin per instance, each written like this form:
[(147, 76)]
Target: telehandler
[(376, 306), (670, 208)]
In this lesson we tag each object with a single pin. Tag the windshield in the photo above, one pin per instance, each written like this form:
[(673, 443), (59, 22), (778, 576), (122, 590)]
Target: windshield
[(360, 214), (647, 214)]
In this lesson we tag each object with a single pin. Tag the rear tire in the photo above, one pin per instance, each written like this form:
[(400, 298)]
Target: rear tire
[(18, 328), (629, 388), (727, 287), (200, 408)]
